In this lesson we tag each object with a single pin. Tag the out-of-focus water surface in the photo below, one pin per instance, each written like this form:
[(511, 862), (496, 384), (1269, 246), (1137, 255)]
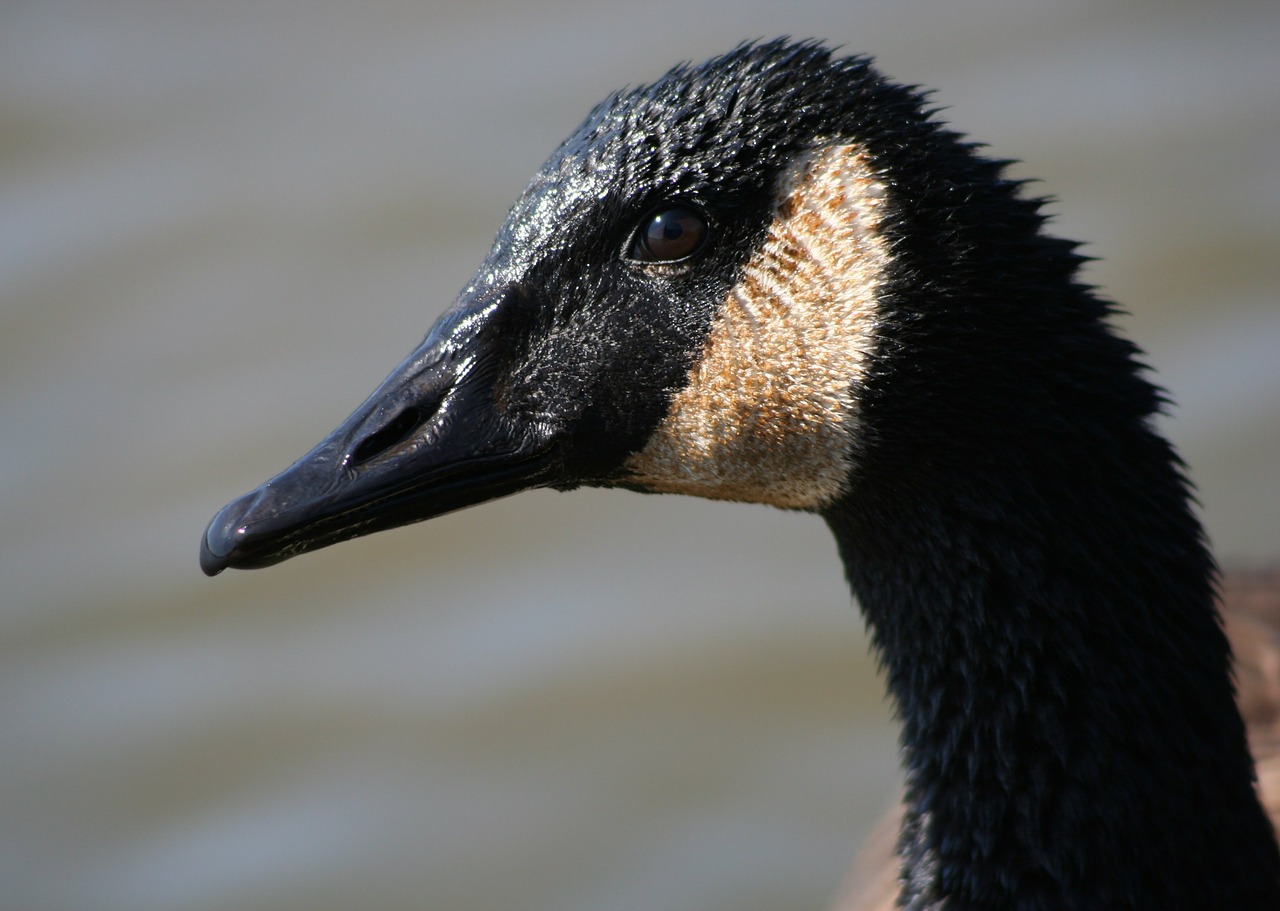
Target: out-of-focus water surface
[(221, 224)]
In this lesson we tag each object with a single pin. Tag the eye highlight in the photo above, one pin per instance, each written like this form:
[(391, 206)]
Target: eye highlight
[(669, 233)]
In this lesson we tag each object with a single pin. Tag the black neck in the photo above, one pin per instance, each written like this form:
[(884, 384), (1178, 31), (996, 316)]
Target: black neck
[(1070, 733)]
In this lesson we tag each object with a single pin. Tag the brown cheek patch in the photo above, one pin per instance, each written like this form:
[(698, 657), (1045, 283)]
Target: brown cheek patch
[(768, 415)]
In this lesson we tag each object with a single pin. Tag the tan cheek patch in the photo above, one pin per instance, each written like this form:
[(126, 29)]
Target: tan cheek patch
[(768, 415)]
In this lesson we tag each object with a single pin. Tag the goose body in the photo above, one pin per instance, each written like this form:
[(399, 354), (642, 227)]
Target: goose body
[(776, 278)]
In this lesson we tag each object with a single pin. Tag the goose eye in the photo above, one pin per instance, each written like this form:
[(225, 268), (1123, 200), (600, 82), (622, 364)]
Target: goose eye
[(669, 234)]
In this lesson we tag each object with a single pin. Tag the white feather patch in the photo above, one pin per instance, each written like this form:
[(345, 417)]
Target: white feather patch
[(768, 414)]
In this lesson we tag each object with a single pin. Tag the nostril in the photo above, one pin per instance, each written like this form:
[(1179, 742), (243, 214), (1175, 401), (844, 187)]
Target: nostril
[(394, 431)]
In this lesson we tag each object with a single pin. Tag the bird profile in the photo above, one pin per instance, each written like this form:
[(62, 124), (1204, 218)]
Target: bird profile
[(776, 277)]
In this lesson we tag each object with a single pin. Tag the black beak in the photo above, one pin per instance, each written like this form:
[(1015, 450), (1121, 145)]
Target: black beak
[(434, 437)]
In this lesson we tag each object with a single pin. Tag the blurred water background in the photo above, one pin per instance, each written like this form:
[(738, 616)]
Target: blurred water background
[(222, 223)]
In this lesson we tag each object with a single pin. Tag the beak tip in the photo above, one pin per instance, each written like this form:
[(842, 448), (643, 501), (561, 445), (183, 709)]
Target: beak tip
[(211, 561), (219, 540)]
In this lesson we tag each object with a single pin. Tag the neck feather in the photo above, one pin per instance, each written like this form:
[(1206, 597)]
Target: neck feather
[(1069, 727)]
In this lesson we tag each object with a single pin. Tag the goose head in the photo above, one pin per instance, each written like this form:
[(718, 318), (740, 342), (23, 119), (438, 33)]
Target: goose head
[(704, 290)]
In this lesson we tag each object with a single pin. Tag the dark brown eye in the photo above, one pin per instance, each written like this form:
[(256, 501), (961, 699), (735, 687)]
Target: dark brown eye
[(669, 234)]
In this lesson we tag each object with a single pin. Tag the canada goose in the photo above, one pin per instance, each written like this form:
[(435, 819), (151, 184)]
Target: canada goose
[(776, 278)]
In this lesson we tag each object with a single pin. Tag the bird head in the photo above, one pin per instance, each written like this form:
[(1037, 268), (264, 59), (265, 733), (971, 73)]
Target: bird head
[(691, 296)]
